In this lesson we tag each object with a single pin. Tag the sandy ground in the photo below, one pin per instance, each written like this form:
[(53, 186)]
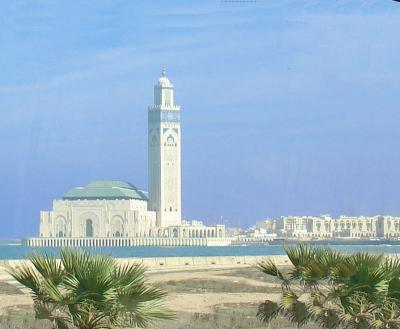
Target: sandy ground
[(207, 275), (179, 302), (205, 303), (8, 302)]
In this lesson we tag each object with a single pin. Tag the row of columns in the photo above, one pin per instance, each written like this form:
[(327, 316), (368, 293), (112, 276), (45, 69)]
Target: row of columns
[(203, 233), (119, 242)]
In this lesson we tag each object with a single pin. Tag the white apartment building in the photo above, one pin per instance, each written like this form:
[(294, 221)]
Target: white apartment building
[(325, 227)]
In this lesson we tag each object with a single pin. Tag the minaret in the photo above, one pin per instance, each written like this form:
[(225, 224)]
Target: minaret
[(164, 152)]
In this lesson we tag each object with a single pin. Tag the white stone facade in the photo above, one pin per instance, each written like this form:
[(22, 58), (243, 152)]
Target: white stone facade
[(164, 155), (326, 227), (98, 218)]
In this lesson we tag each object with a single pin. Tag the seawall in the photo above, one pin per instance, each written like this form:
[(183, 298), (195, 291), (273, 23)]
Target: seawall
[(204, 262), (181, 263)]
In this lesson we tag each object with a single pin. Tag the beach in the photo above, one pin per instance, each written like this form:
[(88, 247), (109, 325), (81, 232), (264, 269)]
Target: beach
[(165, 270), (205, 292)]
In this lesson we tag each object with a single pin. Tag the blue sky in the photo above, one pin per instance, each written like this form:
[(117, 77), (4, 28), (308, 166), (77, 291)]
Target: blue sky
[(288, 107)]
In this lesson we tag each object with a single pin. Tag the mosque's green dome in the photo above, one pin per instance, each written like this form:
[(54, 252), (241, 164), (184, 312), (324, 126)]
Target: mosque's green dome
[(109, 190)]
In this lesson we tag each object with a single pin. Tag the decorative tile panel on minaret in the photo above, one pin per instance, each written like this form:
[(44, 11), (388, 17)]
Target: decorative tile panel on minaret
[(164, 155)]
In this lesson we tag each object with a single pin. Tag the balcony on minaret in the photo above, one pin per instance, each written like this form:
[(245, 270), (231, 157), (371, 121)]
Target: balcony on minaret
[(164, 94), (165, 107)]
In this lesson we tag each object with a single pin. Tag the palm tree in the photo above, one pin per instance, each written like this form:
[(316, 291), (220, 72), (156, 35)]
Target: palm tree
[(88, 291), (335, 290)]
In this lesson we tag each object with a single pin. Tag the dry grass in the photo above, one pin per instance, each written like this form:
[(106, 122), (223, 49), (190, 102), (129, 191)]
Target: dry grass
[(228, 316), (22, 318), (9, 289), (255, 274), (225, 316), (208, 286)]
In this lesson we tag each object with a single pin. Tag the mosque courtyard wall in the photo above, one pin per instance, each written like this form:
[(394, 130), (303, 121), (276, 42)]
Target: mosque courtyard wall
[(127, 242)]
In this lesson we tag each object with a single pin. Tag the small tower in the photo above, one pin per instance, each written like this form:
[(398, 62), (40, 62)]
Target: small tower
[(164, 155)]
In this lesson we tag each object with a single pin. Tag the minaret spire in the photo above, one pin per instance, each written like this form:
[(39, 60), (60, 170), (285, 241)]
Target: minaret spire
[(164, 140)]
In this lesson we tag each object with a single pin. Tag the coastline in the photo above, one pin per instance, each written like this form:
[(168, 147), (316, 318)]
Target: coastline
[(182, 263), (190, 263)]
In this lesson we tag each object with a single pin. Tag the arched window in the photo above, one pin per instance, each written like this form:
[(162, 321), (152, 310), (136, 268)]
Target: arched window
[(89, 228), (117, 227), (61, 227), (170, 139)]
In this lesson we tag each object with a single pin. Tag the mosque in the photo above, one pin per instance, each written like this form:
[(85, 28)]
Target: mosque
[(115, 213)]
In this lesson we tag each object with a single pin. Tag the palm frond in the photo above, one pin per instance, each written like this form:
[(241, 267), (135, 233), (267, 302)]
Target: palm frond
[(294, 309), (61, 324), (387, 315), (267, 311), (88, 317), (129, 275), (299, 254), (327, 317), (48, 267), (144, 314), (54, 313), (358, 311), (90, 291), (28, 277), (269, 267), (347, 291), (365, 259)]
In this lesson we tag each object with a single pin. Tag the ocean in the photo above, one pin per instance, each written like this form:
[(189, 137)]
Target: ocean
[(12, 249)]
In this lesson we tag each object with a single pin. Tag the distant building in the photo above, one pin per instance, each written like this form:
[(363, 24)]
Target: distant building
[(104, 212), (100, 209), (267, 224), (324, 226)]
